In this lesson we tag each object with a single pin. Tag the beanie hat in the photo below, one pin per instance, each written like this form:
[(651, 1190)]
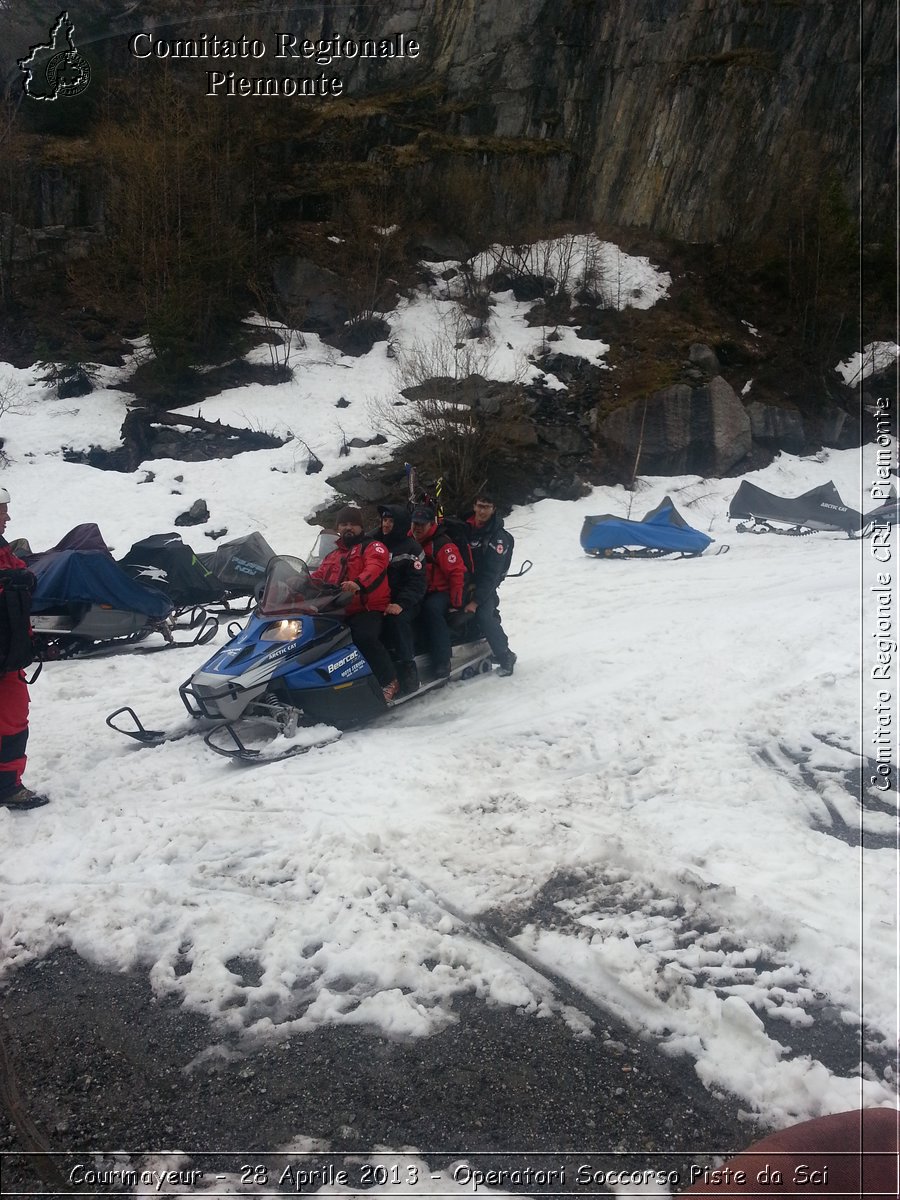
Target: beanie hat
[(349, 515), (422, 515)]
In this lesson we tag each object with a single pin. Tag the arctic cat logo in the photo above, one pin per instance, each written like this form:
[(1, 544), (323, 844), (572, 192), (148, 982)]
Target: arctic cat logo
[(342, 662), (836, 507), (157, 574)]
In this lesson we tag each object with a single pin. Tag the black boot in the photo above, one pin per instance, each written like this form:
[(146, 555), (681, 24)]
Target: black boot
[(507, 663), (408, 674), (22, 798)]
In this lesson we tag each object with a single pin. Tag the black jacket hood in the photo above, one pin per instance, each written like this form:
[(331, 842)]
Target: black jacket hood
[(400, 532)]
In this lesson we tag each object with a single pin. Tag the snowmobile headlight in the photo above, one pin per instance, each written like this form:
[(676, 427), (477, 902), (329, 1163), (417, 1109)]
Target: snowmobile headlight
[(282, 631)]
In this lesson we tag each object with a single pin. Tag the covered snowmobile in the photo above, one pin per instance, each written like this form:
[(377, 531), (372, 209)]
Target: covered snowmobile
[(164, 561), (885, 514), (293, 671), (239, 566), (661, 532), (84, 603), (821, 508)]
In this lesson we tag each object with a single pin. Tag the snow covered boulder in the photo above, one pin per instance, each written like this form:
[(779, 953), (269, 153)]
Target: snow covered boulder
[(681, 430)]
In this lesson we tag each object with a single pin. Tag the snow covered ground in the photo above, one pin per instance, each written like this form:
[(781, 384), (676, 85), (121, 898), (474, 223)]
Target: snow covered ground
[(663, 803)]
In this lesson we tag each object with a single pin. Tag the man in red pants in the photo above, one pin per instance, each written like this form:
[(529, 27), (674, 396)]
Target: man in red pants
[(14, 651)]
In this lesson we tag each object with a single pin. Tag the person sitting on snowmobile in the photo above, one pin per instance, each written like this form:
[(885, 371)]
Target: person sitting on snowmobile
[(359, 565), (446, 576), (408, 580), (489, 546)]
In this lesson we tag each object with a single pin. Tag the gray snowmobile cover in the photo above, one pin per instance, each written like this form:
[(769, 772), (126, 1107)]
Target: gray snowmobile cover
[(819, 508), (886, 513), (240, 565)]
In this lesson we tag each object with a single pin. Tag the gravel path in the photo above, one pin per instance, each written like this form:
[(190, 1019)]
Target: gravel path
[(98, 1064)]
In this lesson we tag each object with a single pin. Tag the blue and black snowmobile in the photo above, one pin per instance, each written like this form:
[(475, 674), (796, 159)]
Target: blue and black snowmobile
[(292, 678)]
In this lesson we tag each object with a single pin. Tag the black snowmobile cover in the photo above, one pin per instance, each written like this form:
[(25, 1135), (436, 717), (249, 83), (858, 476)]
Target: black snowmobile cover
[(819, 508), (663, 529), (165, 562), (885, 513), (241, 564)]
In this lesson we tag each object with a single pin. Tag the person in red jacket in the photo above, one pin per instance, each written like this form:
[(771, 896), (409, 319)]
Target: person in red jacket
[(446, 577), (359, 565), (13, 689)]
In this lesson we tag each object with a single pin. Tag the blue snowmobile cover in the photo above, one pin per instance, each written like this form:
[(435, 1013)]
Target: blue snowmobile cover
[(663, 530), (91, 577)]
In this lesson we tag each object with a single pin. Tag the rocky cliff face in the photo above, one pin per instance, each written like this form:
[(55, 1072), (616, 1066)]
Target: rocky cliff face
[(693, 118), (690, 117)]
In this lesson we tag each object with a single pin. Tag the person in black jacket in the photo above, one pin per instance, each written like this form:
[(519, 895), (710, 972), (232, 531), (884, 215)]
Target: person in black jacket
[(488, 542), (407, 579)]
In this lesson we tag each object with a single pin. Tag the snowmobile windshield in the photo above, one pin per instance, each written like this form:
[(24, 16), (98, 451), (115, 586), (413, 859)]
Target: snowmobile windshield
[(290, 589), (325, 543)]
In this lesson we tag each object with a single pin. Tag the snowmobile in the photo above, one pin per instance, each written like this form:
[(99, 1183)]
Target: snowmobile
[(292, 678), (884, 516), (819, 509), (85, 604), (81, 622), (165, 562), (238, 568), (663, 531)]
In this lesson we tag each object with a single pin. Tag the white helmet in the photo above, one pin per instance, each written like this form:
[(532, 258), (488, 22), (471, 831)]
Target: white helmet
[(4, 496)]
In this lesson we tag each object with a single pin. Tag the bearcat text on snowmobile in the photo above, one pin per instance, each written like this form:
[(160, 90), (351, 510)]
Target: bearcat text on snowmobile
[(294, 674)]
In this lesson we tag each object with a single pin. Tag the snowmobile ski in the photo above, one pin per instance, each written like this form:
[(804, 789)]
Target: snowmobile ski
[(152, 737), (57, 639), (230, 740)]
